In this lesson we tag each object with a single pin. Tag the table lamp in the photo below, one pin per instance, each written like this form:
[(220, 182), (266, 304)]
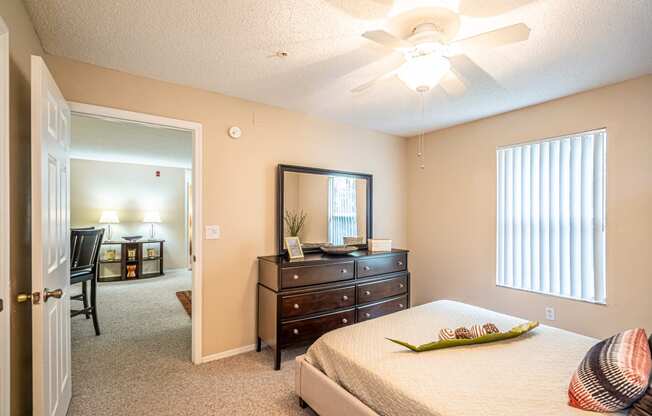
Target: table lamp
[(152, 217), (109, 217)]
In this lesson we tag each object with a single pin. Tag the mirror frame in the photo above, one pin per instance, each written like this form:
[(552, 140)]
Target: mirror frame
[(280, 175)]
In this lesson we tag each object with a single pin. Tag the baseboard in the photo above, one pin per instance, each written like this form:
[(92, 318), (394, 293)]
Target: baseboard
[(228, 353)]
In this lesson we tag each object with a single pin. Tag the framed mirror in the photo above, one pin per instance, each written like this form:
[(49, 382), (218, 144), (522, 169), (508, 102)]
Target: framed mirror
[(323, 207)]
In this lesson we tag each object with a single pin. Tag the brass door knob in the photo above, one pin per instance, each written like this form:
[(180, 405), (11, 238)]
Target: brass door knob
[(343, 271), (345, 297), (366, 292), (295, 331), (367, 268), (345, 321), (368, 315), (400, 263), (295, 277), (400, 305), (296, 306), (56, 293)]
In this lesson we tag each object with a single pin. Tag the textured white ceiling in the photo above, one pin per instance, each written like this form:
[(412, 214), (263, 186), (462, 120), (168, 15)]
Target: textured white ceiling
[(228, 46), (112, 140)]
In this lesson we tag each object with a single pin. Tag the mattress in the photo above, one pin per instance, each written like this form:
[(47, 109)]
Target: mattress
[(528, 375)]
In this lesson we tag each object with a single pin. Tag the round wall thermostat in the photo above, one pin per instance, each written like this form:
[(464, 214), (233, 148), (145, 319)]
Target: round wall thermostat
[(235, 132)]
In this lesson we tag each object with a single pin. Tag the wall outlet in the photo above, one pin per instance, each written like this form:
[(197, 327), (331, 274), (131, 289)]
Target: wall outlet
[(213, 232), (550, 313)]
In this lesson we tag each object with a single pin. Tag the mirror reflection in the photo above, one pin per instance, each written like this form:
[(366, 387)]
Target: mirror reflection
[(325, 209)]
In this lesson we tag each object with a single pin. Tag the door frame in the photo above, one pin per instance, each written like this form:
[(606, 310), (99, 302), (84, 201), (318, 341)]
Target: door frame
[(5, 194), (197, 174)]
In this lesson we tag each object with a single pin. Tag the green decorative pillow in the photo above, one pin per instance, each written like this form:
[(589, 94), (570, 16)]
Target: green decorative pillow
[(512, 333)]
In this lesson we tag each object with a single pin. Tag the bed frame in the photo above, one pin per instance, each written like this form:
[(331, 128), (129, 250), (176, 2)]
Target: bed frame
[(323, 395)]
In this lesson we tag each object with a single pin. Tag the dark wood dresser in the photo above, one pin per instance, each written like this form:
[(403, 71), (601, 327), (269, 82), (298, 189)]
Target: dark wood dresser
[(300, 300)]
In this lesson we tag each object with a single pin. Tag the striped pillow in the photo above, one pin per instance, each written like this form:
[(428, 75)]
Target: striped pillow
[(643, 407), (613, 374)]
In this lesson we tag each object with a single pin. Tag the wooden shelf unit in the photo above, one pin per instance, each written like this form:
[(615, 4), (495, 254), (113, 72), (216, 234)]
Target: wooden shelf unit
[(138, 259)]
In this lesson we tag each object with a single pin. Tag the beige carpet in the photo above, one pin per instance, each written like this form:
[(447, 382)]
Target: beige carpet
[(140, 365)]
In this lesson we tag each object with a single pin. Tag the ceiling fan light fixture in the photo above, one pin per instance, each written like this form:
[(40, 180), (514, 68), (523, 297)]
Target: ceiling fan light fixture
[(422, 73)]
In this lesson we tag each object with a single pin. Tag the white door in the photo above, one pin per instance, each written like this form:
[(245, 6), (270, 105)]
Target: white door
[(5, 304), (50, 244)]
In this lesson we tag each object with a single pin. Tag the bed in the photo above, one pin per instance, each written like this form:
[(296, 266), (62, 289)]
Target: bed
[(355, 371)]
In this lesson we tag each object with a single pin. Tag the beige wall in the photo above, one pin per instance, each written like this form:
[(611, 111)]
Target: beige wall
[(452, 208), (23, 43), (131, 190), (240, 181)]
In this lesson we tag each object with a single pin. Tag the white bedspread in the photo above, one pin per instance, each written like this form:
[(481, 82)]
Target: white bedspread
[(528, 375)]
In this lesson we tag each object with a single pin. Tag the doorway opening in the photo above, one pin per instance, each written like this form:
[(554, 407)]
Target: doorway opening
[(138, 177)]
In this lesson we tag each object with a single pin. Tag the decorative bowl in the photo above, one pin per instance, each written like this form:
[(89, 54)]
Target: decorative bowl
[(338, 250), (132, 237)]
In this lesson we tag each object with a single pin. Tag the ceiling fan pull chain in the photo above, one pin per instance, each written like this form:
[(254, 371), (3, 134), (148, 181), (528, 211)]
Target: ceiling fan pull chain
[(421, 142)]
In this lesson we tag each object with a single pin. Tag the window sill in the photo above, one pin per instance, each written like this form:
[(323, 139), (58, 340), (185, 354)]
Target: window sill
[(560, 296)]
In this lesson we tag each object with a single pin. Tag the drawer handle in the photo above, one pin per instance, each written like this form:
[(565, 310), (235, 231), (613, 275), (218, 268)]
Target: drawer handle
[(366, 268), (345, 321), (366, 292), (367, 315), (400, 306), (295, 331), (296, 306), (345, 297), (400, 263), (295, 277), (401, 285)]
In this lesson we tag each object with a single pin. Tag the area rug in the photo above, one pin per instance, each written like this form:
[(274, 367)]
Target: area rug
[(185, 297)]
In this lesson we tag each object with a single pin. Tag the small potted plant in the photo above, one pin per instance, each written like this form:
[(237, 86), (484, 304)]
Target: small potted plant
[(294, 221)]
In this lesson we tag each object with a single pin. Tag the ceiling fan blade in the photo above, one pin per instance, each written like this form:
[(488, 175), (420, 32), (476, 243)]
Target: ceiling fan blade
[(472, 74), (387, 39), (510, 34), (452, 85), (371, 83)]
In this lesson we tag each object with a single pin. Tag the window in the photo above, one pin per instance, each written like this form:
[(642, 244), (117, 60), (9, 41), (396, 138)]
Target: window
[(551, 216), (342, 217)]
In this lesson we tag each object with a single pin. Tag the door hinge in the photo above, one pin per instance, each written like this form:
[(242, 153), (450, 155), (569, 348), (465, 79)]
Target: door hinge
[(2, 305), (194, 259)]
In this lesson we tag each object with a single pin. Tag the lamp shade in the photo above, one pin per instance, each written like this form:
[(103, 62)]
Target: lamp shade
[(152, 217), (109, 217)]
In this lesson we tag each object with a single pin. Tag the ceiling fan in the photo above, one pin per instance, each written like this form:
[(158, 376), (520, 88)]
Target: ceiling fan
[(428, 47)]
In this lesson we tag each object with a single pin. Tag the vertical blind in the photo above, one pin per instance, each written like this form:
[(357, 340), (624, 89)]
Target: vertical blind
[(342, 214), (551, 216)]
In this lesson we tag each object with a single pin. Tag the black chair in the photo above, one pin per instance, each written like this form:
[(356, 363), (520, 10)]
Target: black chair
[(84, 267)]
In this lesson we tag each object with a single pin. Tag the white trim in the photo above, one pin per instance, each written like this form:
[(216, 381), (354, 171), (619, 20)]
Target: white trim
[(552, 138), (138, 162), (228, 353), (5, 289), (197, 172)]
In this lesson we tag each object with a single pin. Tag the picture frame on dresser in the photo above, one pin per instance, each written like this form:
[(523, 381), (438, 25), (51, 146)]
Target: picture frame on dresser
[(299, 300)]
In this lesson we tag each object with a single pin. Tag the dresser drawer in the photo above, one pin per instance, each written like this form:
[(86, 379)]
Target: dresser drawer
[(314, 275), (314, 302), (371, 292), (383, 308), (384, 264), (309, 329)]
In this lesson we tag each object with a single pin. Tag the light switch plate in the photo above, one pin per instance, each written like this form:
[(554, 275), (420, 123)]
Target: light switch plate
[(212, 232)]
